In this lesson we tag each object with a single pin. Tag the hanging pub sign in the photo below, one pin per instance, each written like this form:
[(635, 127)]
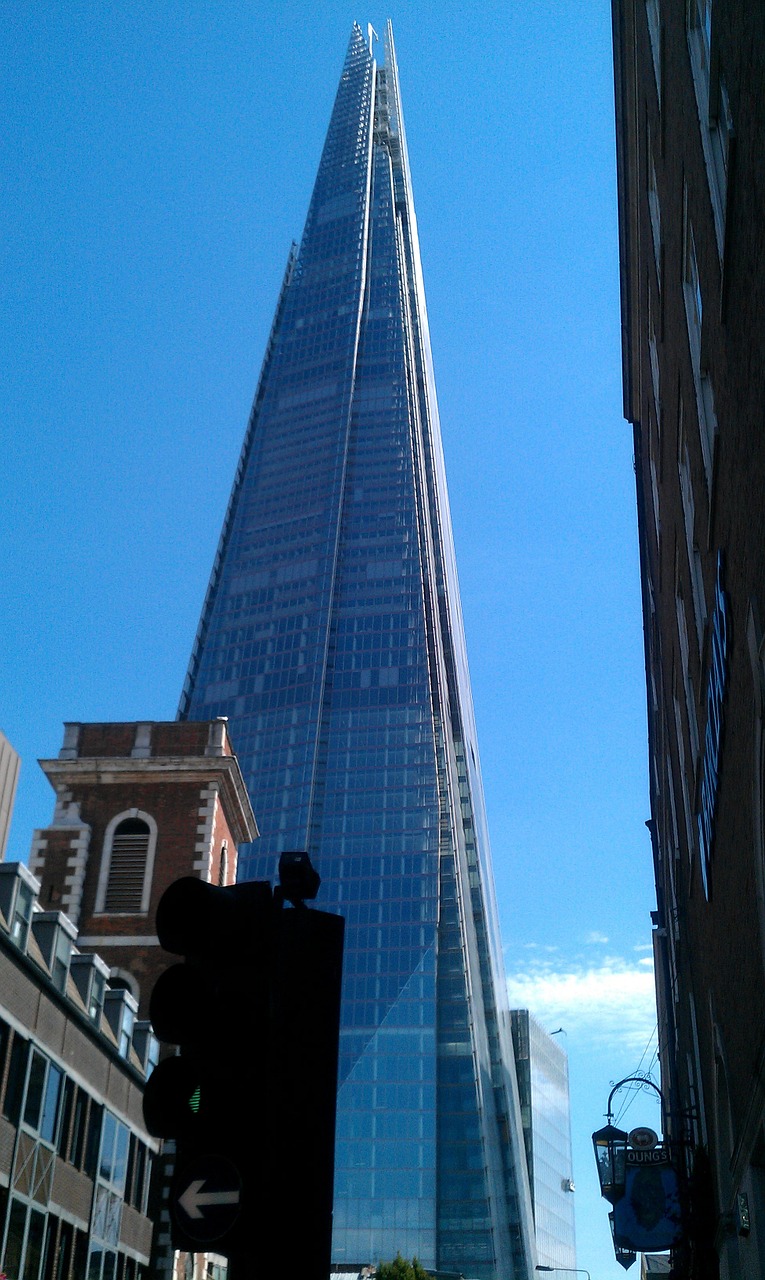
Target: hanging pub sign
[(717, 685), (647, 1218)]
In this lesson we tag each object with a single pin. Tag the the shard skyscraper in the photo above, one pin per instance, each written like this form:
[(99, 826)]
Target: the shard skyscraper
[(332, 638)]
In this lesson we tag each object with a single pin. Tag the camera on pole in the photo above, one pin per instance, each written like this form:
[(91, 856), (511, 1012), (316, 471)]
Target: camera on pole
[(249, 1097)]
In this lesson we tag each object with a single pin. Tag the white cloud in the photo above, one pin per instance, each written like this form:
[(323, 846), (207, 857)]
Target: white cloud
[(602, 1002), (596, 937)]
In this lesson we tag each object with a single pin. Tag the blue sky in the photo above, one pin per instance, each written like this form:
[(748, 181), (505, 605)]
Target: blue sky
[(159, 160)]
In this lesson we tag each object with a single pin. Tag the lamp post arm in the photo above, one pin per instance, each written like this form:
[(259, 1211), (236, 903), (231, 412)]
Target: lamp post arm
[(633, 1080), (572, 1271)]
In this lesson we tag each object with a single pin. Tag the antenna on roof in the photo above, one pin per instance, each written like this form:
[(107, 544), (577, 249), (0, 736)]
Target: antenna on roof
[(371, 33)]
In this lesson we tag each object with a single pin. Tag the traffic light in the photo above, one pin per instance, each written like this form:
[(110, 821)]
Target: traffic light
[(250, 1095)]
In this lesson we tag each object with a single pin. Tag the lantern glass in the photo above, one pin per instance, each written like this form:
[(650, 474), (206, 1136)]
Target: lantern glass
[(610, 1146)]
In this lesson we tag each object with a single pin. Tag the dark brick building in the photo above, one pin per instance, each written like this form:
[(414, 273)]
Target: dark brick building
[(690, 111)]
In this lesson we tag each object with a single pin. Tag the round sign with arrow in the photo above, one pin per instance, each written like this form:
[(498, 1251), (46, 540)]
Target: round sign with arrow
[(206, 1198)]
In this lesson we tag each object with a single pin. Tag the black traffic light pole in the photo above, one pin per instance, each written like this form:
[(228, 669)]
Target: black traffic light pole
[(250, 1096)]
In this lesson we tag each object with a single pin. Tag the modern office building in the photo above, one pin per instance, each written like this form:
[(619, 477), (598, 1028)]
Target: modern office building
[(331, 638), (690, 114), (542, 1068), (9, 777)]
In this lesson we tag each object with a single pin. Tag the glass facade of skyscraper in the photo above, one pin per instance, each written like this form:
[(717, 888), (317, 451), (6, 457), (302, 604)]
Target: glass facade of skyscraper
[(542, 1068), (332, 638)]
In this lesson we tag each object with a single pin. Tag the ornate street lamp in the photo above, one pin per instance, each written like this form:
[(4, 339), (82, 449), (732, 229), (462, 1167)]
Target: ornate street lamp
[(610, 1146)]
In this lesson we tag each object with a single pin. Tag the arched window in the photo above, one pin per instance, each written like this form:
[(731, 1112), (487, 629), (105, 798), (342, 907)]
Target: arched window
[(121, 980), (124, 884), (130, 845)]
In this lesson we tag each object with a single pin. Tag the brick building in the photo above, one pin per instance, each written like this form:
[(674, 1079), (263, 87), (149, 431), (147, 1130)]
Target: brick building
[(690, 114), (75, 1156), (137, 806)]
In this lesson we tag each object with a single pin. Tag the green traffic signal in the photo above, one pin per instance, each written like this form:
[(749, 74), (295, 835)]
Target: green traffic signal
[(173, 1099)]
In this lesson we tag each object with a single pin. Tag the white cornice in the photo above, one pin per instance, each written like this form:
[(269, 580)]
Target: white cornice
[(103, 770)]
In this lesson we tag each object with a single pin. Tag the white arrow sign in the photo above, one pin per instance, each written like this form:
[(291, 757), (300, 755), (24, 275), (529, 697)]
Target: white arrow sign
[(194, 1200)]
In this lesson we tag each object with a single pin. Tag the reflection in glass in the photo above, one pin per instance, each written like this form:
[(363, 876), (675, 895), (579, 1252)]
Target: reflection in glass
[(50, 1106), (119, 1172), (108, 1134), (33, 1252), (17, 1221), (35, 1086)]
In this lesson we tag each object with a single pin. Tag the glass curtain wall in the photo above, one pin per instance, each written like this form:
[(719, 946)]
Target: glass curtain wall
[(332, 639)]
